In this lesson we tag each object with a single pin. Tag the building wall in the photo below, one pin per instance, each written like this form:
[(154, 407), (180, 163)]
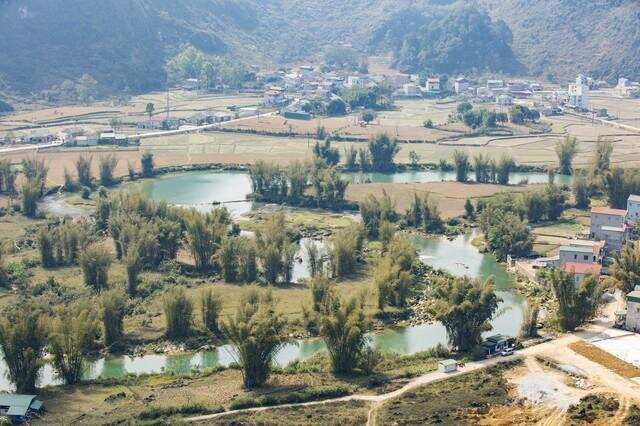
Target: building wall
[(599, 220), (633, 316), (633, 211), (577, 257)]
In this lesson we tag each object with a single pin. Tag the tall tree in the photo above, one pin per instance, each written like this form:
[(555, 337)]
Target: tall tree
[(383, 151), (344, 332), (566, 151), (625, 271), (178, 313), (113, 304), (256, 333), (464, 307), (576, 303), (22, 340), (71, 336), (461, 165)]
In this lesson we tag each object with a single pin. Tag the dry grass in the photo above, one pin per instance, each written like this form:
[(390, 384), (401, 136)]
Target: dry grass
[(450, 196), (350, 413), (605, 359)]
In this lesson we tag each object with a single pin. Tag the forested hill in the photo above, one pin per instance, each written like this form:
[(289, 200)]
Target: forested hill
[(124, 44), (456, 40)]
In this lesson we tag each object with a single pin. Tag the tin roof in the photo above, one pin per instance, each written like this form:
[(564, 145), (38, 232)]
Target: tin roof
[(609, 211)]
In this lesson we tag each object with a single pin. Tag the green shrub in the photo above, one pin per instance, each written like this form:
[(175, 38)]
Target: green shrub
[(162, 412)]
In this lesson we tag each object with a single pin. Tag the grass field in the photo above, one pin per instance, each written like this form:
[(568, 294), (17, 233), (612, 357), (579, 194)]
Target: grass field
[(124, 401), (350, 413), (450, 402)]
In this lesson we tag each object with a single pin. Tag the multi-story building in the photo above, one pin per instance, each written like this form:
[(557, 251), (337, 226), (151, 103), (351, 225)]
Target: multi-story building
[(633, 209), (579, 94), (609, 225)]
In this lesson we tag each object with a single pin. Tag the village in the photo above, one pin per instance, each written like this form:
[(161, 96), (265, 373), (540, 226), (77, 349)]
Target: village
[(194, 151)]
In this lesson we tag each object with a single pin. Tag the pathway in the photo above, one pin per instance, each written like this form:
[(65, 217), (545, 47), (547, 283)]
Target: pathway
[(377, 400)]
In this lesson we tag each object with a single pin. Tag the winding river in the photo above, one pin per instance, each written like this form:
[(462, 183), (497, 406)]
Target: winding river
[(202, 188), (457, 256)]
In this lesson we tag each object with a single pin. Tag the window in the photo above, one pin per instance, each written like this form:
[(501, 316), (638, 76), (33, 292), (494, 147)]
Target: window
[(586, 257)]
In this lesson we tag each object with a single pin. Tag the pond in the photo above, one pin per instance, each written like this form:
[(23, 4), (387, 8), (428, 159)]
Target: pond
[(203, 190), (208, 189), (426, 176), (457, 256)]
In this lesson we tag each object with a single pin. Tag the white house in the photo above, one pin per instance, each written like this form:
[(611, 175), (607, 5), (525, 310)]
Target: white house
[(504, 100), (461, 85), (633, 208), (432, 84), (447, 365), (633, 311), (609, 225), (577, 254), (89, 140), (273, 97), (495, 84), (579, 93)]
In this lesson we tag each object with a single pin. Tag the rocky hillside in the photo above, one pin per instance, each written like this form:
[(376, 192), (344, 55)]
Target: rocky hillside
[(124, 44)]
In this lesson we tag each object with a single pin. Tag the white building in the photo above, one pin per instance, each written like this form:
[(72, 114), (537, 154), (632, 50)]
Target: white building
[(504, 100), (577, 254), (633, 208), (461, 85), (90, 140), (633, 311), (495, 84), (579, 93), (432, 84), (273, 97), (609, 225)]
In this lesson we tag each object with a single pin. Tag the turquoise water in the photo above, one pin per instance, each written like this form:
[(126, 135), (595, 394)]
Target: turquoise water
[(208, 189), (425, 176), (457, 256), (203, 190)]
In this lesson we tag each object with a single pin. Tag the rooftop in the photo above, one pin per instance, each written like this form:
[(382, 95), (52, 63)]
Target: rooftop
[(634, 198), (18, 405), (579, 249), (582, 268), (609, 211)]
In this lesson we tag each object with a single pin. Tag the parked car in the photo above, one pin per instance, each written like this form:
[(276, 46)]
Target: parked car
[(507, 351)]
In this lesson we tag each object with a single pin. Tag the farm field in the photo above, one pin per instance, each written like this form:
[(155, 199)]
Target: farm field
[(98, 115), (449, 196)]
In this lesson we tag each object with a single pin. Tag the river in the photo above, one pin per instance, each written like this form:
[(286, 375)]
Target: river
[(457, 256)]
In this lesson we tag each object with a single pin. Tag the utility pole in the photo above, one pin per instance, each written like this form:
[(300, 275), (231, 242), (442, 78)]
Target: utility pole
[(167, 103)]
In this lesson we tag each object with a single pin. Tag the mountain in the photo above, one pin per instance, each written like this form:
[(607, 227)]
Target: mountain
[(566, 37), (462, 39), (125, 44)]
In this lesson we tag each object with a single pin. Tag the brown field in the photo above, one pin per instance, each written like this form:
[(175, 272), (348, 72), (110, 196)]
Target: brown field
[(605, 359), (450, 196), (345, 127), (97, 115)]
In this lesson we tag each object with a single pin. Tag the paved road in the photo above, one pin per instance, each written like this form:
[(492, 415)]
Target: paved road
[(193, 129)]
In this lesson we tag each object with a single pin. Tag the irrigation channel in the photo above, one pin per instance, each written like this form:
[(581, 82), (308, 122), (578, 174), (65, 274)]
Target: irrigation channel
[(458, 256)]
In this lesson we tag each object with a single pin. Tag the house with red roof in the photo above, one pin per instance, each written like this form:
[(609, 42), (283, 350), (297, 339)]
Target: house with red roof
[(581, 270)]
